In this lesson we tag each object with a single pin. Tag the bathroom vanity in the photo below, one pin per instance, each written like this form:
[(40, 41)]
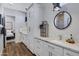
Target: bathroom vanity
[(57, 48), (42, 46)]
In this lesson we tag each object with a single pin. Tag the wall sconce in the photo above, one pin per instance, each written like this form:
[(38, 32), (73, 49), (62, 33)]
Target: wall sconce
[(59, 6), (56, 6)]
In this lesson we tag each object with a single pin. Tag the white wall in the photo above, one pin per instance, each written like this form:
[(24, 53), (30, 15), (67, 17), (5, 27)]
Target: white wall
[(19, 20), (16, 6), (34, 16), (73, 29), (45, 12)]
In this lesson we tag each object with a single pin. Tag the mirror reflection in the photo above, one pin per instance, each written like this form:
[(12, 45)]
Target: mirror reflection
[(62, 20)]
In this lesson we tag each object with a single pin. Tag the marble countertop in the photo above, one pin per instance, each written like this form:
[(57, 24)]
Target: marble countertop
[(23, 30), (62, 43)]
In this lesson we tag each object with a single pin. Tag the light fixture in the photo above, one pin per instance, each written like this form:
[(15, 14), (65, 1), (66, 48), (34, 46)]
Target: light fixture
[(56, 6)]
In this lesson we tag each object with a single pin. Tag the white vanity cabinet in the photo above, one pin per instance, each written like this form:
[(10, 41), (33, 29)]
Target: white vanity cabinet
[(37, 47), (54, 50), (32, 44), (40, 48), (70, 53), (44, 49), (25, 40)]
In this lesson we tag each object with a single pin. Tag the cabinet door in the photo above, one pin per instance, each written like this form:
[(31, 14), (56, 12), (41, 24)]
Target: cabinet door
[(44, 49), (41, 48), (37, 47), (21, 37), (70, 53), (24, 39), (55, 50)]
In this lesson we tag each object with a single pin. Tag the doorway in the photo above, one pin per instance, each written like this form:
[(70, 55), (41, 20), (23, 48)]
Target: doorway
[(10, 27)]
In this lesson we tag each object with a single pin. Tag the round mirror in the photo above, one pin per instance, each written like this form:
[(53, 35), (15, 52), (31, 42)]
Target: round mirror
[(62, 20)]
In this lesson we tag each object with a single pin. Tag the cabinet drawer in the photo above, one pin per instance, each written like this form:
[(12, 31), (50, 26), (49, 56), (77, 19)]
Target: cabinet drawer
[(55, 50), (70, 53)]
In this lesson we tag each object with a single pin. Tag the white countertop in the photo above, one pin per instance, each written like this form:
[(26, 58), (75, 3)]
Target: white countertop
[(23, 30), (74, 47)]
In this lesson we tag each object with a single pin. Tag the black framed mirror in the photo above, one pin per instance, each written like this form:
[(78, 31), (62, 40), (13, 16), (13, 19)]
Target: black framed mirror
[(62, 20)]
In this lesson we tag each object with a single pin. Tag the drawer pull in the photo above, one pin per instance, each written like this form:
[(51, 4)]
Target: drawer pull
[(50, 53)]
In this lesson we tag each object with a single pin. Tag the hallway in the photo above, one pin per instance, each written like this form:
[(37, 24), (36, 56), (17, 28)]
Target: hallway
[(16, 49)]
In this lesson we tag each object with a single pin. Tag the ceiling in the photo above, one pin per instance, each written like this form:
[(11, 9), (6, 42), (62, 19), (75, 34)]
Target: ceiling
[(74, 7), (17, 6)]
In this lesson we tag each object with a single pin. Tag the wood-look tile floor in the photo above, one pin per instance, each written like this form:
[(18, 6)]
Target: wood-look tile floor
[(16, 49)]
